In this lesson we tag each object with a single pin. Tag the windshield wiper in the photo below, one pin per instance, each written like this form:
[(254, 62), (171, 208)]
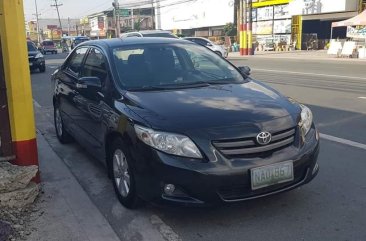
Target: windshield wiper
[(197, 84)]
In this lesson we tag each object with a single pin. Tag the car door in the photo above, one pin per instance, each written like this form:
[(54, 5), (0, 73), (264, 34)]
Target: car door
[(67, 92), (91, 99)]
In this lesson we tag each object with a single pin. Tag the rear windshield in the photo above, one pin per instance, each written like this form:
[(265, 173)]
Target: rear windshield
[(48, 43), (31, 47)]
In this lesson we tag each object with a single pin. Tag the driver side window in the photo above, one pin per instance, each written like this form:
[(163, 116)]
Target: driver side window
[(74, 64)]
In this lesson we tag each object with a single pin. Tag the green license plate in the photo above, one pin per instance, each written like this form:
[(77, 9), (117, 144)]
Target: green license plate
[(272, 174)]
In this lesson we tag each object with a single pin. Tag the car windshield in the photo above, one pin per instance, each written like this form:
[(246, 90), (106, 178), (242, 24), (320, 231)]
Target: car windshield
[(31, 47), (152, 66), (48, 43), (79, 41)]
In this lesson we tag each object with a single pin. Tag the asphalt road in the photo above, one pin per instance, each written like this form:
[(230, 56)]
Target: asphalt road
[(331, 207)]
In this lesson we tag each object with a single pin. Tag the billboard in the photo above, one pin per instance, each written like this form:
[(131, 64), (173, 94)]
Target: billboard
[(196, 14)]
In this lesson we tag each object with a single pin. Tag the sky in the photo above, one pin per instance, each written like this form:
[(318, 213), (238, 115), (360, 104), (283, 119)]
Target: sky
[(70, 8)]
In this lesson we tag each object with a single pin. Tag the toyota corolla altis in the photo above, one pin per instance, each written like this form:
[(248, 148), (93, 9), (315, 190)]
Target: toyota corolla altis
[(176, 123)]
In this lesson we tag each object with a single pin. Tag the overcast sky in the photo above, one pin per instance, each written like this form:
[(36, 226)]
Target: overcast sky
[(70, 8)]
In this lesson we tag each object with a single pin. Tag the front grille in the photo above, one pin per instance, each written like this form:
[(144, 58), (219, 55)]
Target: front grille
[(248, 147)]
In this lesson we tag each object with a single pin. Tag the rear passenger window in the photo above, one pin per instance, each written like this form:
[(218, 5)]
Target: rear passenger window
[(75, 61)]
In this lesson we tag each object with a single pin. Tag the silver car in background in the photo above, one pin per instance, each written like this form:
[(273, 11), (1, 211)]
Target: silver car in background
[(219, 49)]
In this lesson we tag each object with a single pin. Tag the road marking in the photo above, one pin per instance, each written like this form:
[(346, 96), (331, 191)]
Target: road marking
[(343, 141), (37, 104), (310, 74), (362, 97)]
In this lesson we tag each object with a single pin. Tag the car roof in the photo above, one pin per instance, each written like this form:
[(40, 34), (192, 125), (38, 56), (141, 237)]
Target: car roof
[(149, 31), (118, 42)]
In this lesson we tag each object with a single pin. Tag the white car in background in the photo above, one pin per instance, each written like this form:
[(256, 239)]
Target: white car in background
[(219, 49)]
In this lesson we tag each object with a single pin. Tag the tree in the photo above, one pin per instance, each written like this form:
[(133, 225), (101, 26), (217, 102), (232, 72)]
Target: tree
[(230, 29)]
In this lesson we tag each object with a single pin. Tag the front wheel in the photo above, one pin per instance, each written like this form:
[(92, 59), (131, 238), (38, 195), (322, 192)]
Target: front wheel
[(62, 135), (122, 173)]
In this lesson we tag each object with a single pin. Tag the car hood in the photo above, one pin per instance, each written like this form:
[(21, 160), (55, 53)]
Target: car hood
[(213, 106)]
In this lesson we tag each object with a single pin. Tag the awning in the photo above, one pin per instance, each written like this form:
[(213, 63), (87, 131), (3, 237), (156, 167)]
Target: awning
[(355, 21)]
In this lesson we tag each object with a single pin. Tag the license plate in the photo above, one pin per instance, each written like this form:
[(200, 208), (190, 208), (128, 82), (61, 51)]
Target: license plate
[(272, 174)]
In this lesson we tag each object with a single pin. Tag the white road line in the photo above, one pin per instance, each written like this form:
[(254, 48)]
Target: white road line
[(310, 74), (343, 141), (362, 97), (37, 104)]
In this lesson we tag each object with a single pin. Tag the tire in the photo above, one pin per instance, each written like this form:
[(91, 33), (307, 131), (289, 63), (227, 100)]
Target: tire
[(121, 169), (62, 135), (218, 53), (42, 69)]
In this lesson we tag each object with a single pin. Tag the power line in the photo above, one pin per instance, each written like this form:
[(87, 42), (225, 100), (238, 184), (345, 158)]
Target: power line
[(58, 13)]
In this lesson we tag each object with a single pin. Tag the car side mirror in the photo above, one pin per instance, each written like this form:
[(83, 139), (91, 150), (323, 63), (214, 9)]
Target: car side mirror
[(209, 44), (244, 70), (89, 82)]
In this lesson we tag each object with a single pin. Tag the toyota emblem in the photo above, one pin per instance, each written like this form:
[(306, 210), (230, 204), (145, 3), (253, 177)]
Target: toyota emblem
[(264, 138)]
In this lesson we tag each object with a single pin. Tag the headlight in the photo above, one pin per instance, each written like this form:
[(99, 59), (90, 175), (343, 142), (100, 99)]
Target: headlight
[(306, 120), (39, 55), (168, 142)]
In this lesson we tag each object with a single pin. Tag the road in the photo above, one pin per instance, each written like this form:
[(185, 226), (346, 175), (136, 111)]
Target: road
[(331, 207)]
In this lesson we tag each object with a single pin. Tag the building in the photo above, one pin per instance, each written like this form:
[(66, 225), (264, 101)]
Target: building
[(102, 24), (50, 28)]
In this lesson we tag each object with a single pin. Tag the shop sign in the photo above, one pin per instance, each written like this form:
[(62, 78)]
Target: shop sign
[(265, 13), (356, 33), (264, 27), (282, 26), (52, 26), (281, 11), (123, 12), (306, 7)]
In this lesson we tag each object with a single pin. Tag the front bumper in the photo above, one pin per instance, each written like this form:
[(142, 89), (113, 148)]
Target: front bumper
[(36, 63), (216, 181)]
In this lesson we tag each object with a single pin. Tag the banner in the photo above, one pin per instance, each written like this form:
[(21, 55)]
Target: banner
[(306, 7), (356, 33), (281, 11), (264, 27), (265, 13)]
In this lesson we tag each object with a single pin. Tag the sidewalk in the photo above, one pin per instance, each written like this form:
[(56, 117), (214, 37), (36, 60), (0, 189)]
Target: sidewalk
[(66, 212), (297, 54)]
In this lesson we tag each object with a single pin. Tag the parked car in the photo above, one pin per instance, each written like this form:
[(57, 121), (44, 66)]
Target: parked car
[(174, 122), (48, 46), (219, 49), (36, 58), (149, 33)]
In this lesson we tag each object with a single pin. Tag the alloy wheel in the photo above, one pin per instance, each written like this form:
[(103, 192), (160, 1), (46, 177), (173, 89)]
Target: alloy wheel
[(121, 173)]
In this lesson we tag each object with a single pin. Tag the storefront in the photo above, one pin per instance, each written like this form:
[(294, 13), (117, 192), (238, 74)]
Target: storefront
[(316, 19)]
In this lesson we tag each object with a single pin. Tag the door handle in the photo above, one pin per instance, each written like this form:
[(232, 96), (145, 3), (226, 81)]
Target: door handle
[(81, 86)]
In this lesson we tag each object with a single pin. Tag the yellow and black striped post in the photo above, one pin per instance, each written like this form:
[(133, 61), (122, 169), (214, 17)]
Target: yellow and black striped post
[(249, 28), (17, 81)]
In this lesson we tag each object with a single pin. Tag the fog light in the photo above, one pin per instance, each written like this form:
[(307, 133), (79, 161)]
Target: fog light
[(169, 189), (316, 167)]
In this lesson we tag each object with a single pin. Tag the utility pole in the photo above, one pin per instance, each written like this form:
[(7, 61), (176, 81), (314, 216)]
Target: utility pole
[(244, 41), (152, 14), (158, 14), (132, 20), (38, 37), (115, 4), (249, 25), (68, 26), (56, 5)]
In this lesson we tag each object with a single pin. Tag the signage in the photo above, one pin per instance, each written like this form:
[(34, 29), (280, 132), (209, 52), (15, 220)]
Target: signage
[(282, 26), (306, 7), (264, 27), (356, 33), (265, 13), (122, 12), (52, 26), (281, 11)]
